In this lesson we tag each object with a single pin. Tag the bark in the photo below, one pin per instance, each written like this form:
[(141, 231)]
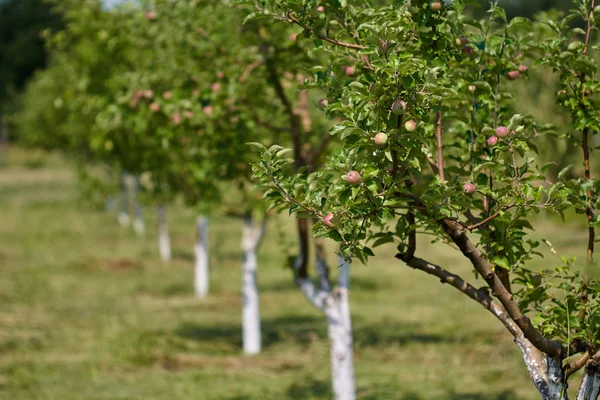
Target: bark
[(251, 238), (201, 263), (590, 384), (339, 327), (164, 240)]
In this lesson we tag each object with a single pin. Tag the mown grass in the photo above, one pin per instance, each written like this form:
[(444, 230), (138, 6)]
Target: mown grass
[(87, 311)]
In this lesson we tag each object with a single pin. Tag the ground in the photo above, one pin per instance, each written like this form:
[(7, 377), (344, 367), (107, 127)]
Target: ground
[(87, 311)]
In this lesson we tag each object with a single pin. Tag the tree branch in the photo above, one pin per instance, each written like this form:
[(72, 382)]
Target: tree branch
[(485, 269), (292, 19), (440, 147)]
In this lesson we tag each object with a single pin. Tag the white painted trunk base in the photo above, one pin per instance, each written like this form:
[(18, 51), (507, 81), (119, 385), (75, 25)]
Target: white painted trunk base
[(336, 307), (164, 239), (138, 219), (201, 254), (251, 334), (590, 384)]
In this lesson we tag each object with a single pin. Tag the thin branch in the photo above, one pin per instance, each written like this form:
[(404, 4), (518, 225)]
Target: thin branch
[(292, 19), (491, 217), (577, 364), (249, 70), (440, 146)]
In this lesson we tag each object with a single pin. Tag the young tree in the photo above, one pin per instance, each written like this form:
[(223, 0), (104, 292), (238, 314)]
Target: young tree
[(432, 144)]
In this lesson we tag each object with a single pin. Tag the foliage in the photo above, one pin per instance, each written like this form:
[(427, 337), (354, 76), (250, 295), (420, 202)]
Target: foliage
[(470, 165)]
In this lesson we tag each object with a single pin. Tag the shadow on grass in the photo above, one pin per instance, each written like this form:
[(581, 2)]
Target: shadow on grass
[(505, 395), (303, 330), (359, 284), (310, 389)]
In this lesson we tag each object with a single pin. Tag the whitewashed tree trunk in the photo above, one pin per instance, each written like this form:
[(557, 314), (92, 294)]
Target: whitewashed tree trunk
[(164, 240), (336, 307), (138, 218), (123, 216), (339, 327), (201, 253), (251, 238), (590, 384)]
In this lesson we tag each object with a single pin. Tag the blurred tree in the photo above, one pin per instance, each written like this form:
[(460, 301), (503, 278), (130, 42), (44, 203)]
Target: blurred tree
[(22, 26)]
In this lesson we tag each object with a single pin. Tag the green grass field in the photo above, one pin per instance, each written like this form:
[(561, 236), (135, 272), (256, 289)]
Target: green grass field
[(87, 311)]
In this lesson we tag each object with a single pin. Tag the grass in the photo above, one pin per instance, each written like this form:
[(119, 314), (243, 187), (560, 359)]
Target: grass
[(87, 311)]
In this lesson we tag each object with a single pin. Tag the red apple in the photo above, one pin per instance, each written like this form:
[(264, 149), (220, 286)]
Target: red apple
[(322, 104), (220, 74), (215, 86), (167, 95), (176, 118), (330, 220), (150, 15), (522, 68), (208, 110), (492, 140), (321, 9), (410, 125), (350, 71), (154, 107), (188, 114), (436, 5), (380, 139), (501, 131), (148, 94), (512, 75), (353, 178), (468, 50), (399, 107), (469, 188)]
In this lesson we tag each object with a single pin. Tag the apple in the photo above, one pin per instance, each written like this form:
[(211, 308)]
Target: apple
[(410, 125), (501, 131), (468, 50), (461, 41), (322, 104), (350, 71), (150, 15), (380, 139), (195, 92), (215, 86), (208, 110), (321, 9), (293, 37), (492, 140), (472, 88), (154, 107), (188, 114), (167, 95), (399, 107), (220, 74), (330, 220), (148, 94), (469, 188), (353, 178), (522, 68), (436, 5), (512, 75), (176, 118)]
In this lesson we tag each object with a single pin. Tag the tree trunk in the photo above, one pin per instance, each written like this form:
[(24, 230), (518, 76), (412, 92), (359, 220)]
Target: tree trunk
[(590, 384), (164, 240), (251, 237), (138, 218), (201, 253), (123, 216), (546, 372), (339, 327)]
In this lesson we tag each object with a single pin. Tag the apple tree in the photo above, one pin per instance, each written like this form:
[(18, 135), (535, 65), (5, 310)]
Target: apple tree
[(433, 143)]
